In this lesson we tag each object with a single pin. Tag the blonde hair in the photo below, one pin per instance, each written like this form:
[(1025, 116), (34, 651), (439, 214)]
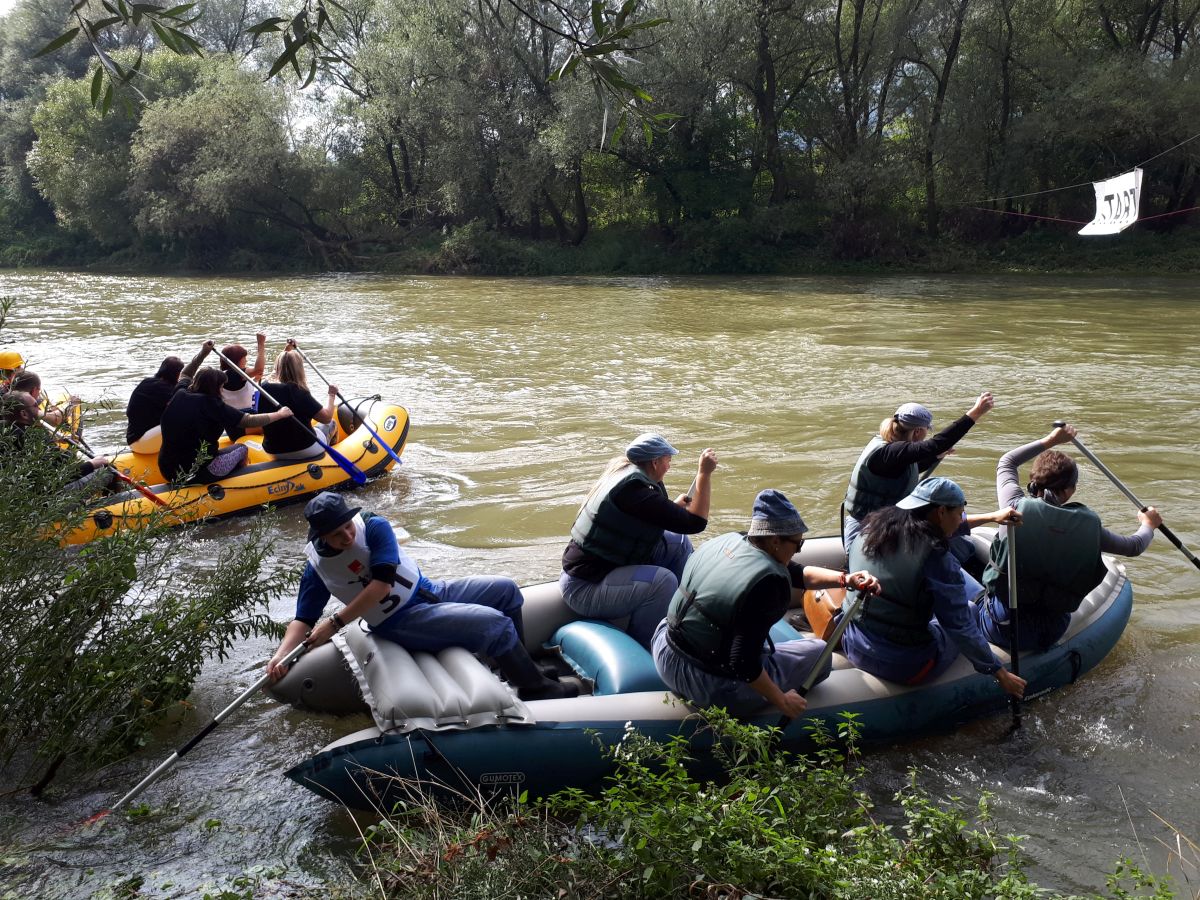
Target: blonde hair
[(289, 369), (891, 430), (614, 465)]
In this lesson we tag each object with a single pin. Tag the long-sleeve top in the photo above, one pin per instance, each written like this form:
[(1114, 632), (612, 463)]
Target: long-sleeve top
[(890, 460), (1009, 493), (641, 501), (764, 605)]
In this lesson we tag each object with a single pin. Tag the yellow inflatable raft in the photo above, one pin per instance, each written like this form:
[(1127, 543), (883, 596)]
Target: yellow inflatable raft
[(262, 480)]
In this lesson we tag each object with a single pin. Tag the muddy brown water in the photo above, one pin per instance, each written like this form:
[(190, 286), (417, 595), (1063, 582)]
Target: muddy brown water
[(519, 390)]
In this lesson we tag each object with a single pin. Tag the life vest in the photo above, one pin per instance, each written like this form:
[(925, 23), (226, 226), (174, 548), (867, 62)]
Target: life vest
[(901, 611), (1059, 561), (602, 530), (244, 398), (868, 492), (345, 574), (715, 583)]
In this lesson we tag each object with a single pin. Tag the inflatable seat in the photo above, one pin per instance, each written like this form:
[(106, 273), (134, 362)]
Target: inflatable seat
[(606, 656)]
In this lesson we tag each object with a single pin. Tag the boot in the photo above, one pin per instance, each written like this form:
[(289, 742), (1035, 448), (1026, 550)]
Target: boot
[(522, 673)]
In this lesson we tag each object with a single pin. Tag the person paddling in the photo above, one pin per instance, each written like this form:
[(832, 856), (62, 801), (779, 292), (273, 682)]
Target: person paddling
[(149, 400), (31, 383), (289, 387), (19, 415), (355, 558), (192, 424), (923, 618), (714, 647), (237, 391), (629, 542), (890, 465), (1061, 542)]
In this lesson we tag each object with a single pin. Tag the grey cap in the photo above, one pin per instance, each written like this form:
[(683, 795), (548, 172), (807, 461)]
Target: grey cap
[(936, 491), (913, 415), (648, 446), (774, 514)]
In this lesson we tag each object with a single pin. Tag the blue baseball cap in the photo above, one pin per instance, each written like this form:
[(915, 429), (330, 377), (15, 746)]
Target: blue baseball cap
[(648, 446), (913, 415), (936, 491)]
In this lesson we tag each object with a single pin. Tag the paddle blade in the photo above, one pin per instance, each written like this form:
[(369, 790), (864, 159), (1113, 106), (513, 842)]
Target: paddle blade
[(351, 469)]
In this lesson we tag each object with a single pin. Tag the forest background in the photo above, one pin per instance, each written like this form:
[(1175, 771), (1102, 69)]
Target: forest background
[(940, 135)]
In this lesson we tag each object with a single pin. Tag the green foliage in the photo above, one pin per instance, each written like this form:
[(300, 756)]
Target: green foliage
[(101, 642), (774, 825), (880, 129)]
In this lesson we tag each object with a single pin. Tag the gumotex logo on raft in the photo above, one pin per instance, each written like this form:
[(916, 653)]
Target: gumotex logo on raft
[(501, 777)]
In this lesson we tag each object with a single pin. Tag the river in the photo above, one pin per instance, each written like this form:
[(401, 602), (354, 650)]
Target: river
[(519, 390)]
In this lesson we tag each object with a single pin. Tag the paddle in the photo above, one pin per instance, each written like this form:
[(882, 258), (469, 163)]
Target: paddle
[(351, 469), (691, 491), (830, 644), (392, 453), (121, 476), (298, 651), (1014, 646), (1170, 535)]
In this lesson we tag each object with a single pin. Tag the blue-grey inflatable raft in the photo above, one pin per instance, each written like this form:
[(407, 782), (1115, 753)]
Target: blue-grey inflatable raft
[(446, 723)]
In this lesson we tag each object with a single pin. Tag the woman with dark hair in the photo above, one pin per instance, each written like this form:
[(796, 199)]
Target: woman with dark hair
[(237, 391), (922, 618), (1059, 562), (890, 465), (191, 429), (150, 398), (289, 439)]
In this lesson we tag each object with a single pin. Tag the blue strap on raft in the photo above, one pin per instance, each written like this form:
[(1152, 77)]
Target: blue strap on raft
[(613, 661)]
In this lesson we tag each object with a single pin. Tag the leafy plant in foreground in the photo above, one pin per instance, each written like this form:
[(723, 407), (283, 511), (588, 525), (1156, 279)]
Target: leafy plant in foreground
[(775, 825), (100, 642)]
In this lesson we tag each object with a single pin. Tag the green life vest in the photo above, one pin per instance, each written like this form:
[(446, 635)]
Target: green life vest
[(1059, 561), (904, 606), (715, 583), (868, 492), (604, 531)]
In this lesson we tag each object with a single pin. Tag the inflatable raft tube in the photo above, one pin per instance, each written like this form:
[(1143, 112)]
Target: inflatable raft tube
[(547, 745), (262, 480)]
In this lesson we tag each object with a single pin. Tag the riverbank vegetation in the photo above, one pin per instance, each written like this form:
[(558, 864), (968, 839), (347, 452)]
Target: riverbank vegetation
[(773, 825), (945, 135), (103, 643)]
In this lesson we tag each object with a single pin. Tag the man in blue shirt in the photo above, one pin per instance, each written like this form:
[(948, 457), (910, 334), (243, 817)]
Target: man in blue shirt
[(356, 559)]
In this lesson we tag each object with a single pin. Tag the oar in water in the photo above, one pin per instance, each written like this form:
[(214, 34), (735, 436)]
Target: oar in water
[(297, 651), (1142, 507), (121, 476), (351, 469), (1014, 646), (392, 453)]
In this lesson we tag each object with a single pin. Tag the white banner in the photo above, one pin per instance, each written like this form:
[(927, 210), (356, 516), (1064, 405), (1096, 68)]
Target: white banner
[(1117, 203)]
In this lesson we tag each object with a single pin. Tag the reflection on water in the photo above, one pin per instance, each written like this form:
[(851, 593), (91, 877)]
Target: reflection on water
[(519, 390)]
